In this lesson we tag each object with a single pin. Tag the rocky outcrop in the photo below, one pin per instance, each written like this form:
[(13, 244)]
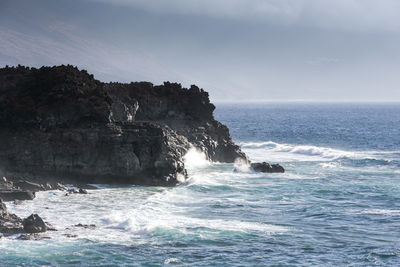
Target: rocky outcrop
[(11, 195), (59, 122), (12, 224), (266, 167), (9, 223), (21, 190), (34, 224)]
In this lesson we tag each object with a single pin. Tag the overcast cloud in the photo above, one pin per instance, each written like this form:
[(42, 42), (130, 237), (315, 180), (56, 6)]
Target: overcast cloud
[(273, 50), (332, 14)]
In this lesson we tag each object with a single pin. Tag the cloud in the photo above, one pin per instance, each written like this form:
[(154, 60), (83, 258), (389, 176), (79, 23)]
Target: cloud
[(360, 15), (354, 15), (322, 61), (61, 45), (283, 11)]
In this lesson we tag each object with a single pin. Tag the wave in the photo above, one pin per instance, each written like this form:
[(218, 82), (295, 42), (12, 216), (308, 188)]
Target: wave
[(178, 212), (150, 223), (280, 152), (382, 212)]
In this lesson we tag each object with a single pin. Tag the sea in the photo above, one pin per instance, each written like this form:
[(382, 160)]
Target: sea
[(337, 204)]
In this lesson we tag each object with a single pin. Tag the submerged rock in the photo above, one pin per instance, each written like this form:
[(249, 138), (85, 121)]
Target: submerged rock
[(70, 235), (266, 167), (35, 237), (61, 122), (86, 226)]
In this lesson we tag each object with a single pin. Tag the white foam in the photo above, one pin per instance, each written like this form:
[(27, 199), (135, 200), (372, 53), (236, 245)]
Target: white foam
[(241, 165), (383, 212), (275, 152), (195, 158), (171, 260), (147, 222), (131, 214), (329, 165)]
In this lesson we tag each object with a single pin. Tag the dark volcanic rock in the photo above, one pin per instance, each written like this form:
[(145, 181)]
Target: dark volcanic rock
[(266, 167), (70, 235), (12, 224), (86, 226), (82, 191), (34, 224), (25, 185), (21, 190), (61, 122), (35, 237), (9, 223), (15, 194)]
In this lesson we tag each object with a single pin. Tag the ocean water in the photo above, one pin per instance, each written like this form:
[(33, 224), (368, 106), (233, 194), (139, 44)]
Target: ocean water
[(338, 204)]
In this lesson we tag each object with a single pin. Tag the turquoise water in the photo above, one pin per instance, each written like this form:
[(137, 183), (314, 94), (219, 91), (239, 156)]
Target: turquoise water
[(338, 204)]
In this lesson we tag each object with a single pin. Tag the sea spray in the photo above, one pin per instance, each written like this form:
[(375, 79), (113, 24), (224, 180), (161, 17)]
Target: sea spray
[(195, 158), (241, 165)]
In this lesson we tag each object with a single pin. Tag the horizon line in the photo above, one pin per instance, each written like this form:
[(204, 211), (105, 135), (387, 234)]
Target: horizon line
[(295, 101)]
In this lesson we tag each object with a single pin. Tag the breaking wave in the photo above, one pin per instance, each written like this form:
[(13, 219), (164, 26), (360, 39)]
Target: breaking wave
[(195, 158), (289, 152), (383, 212)]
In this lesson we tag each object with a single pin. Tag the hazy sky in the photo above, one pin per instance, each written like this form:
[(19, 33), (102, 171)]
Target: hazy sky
[(257, 50)]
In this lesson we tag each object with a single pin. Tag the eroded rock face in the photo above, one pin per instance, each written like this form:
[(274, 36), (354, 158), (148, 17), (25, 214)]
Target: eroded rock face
[(61, 122)]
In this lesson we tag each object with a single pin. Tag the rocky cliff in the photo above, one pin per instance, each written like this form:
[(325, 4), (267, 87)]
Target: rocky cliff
[(60, 122)]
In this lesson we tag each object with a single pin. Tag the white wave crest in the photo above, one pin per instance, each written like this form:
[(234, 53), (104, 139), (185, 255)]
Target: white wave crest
[(329, 165), (272, 151), (148, 222), (382, 212), (171, 260), (241, 165)]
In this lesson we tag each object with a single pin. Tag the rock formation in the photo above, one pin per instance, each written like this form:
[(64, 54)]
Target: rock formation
[(34, 224), (59, 122), (9, 223), (20, 190), (12, 224), (266, 167)]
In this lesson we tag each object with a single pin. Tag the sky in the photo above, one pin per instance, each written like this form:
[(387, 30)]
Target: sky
[(237, 50)]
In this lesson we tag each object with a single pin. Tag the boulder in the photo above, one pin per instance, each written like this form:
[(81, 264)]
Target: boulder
[(34, 224), (82, 191), (266, 167)]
